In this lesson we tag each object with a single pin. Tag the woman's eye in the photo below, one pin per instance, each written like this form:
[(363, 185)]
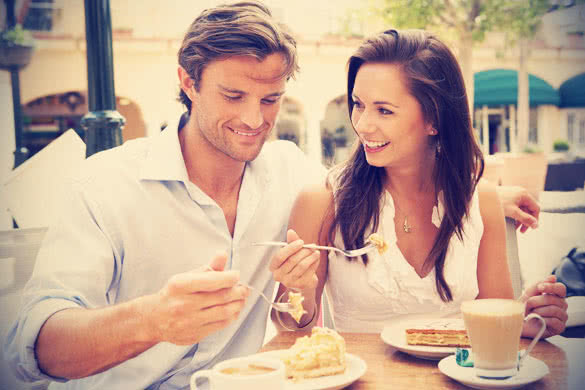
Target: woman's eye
[(384, 111), (269, 101), (228, 97), (358, 105)]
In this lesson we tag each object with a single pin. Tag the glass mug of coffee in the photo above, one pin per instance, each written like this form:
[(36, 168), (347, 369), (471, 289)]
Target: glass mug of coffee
[(250, 372), (494, 327)]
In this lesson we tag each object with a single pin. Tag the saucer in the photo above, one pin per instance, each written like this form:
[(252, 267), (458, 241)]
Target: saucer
[(532, 370)]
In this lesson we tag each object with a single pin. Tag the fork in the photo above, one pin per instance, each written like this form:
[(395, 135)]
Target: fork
[(284, 307), (348, 253)]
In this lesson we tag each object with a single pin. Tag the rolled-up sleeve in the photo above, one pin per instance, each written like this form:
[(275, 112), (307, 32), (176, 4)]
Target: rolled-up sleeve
[(75, 268)]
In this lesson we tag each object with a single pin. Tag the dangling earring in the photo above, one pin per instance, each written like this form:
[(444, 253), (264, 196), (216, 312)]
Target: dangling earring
[(438, 152)]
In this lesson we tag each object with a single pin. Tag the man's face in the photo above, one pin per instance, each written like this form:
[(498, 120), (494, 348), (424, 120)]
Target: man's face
[(237, 103)]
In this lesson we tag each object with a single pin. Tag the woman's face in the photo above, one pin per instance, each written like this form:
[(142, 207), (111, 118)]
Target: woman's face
[(387, 118)]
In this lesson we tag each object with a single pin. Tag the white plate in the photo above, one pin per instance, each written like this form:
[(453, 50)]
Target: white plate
[(532, 370), (395, 335), (356, 367)]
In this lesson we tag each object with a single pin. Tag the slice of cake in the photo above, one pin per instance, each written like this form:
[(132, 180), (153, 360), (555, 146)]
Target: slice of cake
[(444, 332), (378, 240), (321, 354), (296, 300)]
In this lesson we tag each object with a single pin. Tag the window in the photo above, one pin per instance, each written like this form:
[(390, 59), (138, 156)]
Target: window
[(571, 127), (582, 131)]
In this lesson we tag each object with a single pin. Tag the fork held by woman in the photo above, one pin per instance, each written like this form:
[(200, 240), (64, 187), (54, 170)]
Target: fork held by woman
[(348, 253)]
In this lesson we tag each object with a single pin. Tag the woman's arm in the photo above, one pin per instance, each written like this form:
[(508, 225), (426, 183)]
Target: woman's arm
[(493, 274), (310, 218)]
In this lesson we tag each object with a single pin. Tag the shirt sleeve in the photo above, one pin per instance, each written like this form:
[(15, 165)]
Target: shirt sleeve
[(74, 268)]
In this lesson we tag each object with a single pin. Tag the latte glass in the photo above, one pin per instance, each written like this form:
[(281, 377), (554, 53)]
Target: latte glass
[(494, 327), (246, 373)]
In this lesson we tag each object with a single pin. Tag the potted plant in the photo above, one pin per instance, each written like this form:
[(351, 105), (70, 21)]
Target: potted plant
[(16, 47), (560, 145)]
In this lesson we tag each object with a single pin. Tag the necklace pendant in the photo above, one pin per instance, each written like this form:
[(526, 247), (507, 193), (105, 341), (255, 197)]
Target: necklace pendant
[(406, 227)]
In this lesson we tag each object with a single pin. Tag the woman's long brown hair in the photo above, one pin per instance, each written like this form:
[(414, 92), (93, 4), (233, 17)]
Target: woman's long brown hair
[(434, 78)]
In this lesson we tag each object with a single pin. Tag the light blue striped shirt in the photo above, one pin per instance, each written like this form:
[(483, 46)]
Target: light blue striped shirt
[(131, 221)]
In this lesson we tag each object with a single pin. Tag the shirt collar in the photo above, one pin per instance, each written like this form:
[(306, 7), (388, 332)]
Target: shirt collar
[(164, 159)]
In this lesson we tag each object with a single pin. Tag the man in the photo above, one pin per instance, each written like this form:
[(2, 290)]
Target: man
[(125, 292)]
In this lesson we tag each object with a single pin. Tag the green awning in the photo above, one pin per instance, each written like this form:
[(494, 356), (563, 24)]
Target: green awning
[(500, 87), (572, 91)]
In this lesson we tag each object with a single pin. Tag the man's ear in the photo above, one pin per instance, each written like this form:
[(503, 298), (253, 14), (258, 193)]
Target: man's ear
[(185, 82)]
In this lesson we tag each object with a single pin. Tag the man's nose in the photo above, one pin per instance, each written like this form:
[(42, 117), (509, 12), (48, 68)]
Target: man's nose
[(252, 116)]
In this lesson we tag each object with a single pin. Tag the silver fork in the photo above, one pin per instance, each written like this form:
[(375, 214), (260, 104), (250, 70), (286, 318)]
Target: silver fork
[(284, 307), (348, 253)]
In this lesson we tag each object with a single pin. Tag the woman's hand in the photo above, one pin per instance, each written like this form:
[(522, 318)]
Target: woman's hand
[(295, 266), (546, 298)]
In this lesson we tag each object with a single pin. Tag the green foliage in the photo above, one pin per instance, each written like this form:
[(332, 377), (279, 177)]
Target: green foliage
[(16, 36), (560, 145), (532, 149), (519, 17)]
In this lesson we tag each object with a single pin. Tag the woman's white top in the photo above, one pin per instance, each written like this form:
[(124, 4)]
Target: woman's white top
[(365, 298)]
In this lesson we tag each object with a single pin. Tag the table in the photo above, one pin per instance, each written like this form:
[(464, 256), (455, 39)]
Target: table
[(389, 368)]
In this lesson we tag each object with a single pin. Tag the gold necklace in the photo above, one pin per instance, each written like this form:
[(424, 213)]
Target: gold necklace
[(405, 226)]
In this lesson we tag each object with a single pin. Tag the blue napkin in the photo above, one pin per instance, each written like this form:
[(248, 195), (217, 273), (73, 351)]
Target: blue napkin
[(464, 357)]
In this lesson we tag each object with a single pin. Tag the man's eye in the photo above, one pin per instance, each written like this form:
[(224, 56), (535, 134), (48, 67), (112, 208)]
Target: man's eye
[(229, 97), (269, 101)]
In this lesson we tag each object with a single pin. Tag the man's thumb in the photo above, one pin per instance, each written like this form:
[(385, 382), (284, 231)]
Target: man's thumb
[(218, 263)]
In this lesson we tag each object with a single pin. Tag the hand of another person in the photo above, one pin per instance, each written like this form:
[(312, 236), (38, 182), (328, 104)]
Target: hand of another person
[(295, 266), (519, 205), (194, 304), (546, 298)]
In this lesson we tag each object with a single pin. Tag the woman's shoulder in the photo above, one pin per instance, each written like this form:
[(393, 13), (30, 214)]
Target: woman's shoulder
[(314, 197)]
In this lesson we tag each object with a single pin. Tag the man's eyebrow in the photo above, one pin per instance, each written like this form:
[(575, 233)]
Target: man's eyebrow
[(232, 90), (354, 97)]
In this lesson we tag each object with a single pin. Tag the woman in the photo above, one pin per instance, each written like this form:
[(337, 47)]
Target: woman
[(414, 178)]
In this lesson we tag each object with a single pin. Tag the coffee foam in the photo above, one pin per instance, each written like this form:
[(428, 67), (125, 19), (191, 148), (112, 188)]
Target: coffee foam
[(493, 307)]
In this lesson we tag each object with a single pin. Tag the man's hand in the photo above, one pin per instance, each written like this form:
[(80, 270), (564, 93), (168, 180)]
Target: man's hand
[(295, 266), (519, 205), (546, 298), (194, 304)]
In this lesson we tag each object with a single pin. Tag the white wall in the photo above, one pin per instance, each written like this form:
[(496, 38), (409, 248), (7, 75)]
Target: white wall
[(7, 144)]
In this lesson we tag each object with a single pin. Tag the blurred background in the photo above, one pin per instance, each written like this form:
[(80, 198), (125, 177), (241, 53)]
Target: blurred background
[(523, 61)]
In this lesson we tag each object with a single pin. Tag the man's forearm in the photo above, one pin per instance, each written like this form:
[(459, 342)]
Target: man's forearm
[(75, 343)]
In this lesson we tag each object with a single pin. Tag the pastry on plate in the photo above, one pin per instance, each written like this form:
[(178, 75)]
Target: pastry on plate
[(441, 332), (321, 354)]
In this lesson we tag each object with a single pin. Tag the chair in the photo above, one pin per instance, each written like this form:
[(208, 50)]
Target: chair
[(18, 251), (513, 264)]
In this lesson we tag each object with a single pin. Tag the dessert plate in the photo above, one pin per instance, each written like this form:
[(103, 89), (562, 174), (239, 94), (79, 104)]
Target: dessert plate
[(356, 367), (395, 335), (532, 370)]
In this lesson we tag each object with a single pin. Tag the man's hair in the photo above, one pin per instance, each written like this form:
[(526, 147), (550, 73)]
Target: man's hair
[(239, 29)]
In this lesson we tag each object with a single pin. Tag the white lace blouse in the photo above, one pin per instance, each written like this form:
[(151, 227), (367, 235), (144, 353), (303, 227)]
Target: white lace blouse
[(365, 298)]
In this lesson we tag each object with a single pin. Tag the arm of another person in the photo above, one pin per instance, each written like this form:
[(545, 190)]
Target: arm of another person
[(519, 205), (546, 297), (78, 342), (310, 220), (493, 273)]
